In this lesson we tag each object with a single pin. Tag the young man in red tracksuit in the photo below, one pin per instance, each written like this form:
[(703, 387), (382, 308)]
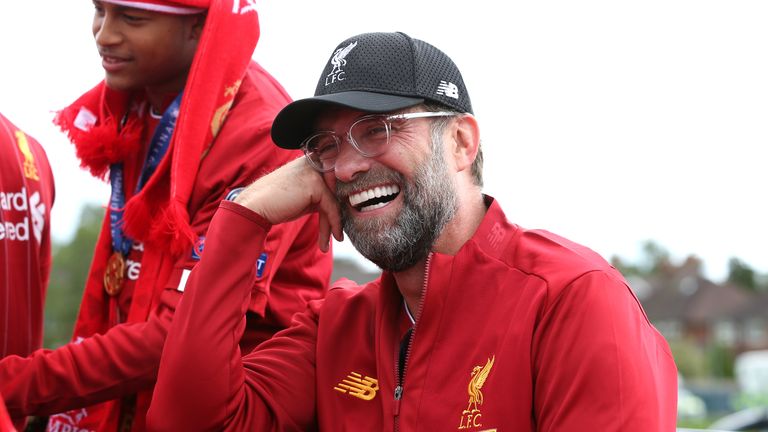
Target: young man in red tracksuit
[(26, 197), (476, 323), (180, 123)]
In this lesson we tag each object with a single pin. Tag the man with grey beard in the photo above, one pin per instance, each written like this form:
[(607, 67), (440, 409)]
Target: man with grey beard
[(475, 324), (429, 202)]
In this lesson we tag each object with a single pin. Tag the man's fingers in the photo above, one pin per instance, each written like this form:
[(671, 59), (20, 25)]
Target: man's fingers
[(336, 226), (292, 191), (330, 220), (324, 233)]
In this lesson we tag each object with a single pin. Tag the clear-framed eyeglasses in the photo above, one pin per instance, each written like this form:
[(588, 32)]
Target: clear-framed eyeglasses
[(369, 135)]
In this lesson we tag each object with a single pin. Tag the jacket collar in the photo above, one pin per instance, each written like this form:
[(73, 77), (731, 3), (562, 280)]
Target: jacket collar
[(491, 239)]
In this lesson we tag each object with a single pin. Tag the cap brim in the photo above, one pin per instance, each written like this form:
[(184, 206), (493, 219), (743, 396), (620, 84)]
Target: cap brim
[(161, 7), (297, 120)]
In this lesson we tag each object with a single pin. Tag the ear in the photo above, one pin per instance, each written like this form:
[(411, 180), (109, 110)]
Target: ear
[(466, 139)]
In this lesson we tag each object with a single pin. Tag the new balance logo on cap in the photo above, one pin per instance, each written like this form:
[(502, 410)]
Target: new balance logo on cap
[(448, 89)]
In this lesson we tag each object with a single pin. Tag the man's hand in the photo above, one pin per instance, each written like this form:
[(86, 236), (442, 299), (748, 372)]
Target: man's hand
[(291, 191)]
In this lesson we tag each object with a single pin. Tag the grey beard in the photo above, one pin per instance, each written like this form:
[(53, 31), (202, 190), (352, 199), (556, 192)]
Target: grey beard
[(429, 203)]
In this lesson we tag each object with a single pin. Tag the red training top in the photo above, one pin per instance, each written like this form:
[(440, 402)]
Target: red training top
[(26, 197), (124, 359)]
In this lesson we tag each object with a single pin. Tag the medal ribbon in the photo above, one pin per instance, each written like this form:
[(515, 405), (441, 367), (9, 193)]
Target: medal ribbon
[(157, 149)]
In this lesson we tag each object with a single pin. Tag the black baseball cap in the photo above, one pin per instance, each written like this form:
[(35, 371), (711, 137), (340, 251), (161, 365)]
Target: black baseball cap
[(376, 73)]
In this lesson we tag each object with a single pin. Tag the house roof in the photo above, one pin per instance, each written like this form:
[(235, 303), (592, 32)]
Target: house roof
[(694, 299)]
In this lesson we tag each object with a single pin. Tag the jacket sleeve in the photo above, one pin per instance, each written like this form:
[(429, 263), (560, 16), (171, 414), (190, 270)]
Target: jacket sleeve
[(102, 367), (599, 364), (203, 383), (125, 359)]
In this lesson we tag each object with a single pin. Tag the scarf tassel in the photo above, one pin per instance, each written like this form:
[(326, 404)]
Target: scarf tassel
[(100, 147), (173, 230), (165, 226)]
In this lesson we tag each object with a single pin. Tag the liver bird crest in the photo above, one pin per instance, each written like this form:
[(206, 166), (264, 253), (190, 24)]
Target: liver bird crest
[(479, 375), (338, 59)]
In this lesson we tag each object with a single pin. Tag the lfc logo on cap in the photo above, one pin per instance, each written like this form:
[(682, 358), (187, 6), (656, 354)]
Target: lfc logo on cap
[(338, 60)]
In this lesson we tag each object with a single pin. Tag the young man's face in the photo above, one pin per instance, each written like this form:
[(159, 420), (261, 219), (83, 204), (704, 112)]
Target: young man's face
[(144, 50)]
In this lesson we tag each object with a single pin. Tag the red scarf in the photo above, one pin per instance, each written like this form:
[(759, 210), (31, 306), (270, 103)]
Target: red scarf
[(157, 215)]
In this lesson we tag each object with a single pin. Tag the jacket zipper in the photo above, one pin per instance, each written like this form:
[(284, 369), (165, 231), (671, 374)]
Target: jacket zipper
[(400, 375)]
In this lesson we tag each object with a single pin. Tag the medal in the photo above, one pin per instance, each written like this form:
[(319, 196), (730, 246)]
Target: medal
[(114, 273), (121, 244)]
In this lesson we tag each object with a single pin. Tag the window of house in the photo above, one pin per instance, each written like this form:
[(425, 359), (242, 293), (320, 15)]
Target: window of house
[(725, 333)]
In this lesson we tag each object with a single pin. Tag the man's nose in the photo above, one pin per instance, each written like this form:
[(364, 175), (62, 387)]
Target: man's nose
[(350, 162), (105, 31)]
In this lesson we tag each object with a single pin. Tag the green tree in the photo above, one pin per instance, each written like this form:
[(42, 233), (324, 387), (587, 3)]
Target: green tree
[(654, 259), (739, 273), (720, 361), (68, 273), (691, 359)]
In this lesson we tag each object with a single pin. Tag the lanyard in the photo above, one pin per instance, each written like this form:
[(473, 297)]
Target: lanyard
[(161, 139)]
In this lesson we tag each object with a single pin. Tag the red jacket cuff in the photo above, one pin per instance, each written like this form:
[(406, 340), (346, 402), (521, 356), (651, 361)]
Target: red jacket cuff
[(246, 213)]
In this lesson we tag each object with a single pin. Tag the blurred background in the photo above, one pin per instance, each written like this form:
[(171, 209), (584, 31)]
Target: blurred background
[(635, 128)]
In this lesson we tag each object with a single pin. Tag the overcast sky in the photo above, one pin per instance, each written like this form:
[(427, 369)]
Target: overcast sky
[(608, 122)]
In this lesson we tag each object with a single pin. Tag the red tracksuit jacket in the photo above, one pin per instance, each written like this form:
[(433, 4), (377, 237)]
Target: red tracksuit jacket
[(26, 196), (125, 359), (519, 331)]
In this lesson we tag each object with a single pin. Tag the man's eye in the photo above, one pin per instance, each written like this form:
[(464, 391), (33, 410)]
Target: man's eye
[(373, 130), (134, 19), (376, 131), (323, 147)]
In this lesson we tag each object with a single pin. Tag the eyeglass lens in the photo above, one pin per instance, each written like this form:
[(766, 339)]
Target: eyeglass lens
[(370, 137)]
